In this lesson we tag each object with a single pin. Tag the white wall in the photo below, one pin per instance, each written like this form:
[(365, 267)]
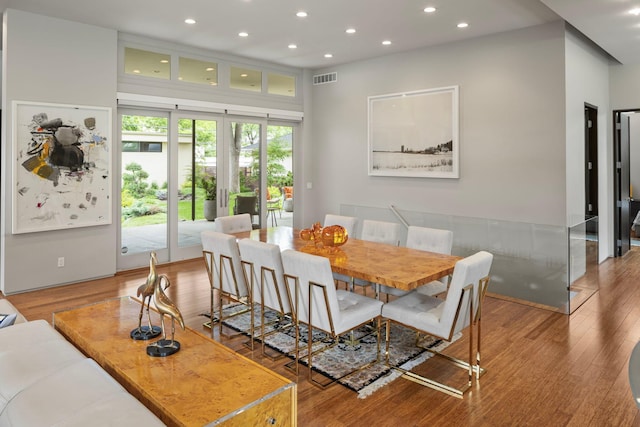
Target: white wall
[(624, 87), (55, 61), (587, 81), (512, 133)]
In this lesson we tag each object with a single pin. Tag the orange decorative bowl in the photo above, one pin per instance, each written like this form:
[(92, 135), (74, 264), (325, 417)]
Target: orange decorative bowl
[(334, 235)]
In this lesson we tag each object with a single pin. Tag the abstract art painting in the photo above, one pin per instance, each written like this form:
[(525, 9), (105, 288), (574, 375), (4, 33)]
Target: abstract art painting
[(62, 169), (414, 134)]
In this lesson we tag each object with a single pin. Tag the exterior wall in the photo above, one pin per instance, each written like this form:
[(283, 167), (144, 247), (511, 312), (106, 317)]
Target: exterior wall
[(54, 61), (512, 131)]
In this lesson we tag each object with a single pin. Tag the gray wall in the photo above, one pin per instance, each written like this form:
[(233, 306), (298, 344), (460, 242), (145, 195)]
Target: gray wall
[(55, 61), (512, 131), (587, 81)]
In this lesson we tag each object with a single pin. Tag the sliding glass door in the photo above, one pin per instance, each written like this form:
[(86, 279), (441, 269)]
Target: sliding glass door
[(196, 181), (143, 187), (179, 171)]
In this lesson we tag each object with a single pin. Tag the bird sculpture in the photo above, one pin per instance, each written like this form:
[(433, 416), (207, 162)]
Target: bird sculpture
[(146, 292), (165, 306)]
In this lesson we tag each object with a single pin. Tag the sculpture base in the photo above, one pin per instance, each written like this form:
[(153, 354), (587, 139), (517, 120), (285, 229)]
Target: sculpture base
[(144, 333), (163, 348)]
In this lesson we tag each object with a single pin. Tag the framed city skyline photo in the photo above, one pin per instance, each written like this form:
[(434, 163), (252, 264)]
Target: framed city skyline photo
[(414, 134)]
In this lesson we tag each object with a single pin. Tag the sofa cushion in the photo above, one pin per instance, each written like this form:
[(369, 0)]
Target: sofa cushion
[(81, 394), (29, 352)]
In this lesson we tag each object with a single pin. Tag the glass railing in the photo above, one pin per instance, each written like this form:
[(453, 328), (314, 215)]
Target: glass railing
[(533, 263)]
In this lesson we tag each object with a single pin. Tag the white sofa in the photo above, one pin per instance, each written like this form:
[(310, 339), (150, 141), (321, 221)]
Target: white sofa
[(46, 381)]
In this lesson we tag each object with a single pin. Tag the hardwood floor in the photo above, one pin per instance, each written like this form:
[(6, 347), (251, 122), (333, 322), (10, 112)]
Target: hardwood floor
[(543, 368)]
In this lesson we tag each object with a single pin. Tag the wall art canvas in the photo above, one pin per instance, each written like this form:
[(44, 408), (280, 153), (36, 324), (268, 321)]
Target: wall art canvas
[(414, 134), (62, 170)]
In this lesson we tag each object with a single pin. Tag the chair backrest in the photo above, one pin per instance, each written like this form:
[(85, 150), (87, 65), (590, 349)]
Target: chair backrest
[(317, 269), (348, 222), (468, 271), (262, 262), (430, 239), (233, 224), (381, 231), (222, 256), (246, 204)]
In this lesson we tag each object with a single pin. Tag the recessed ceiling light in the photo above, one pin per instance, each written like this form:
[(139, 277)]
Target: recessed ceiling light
[(429, 9), (292, 46), (164, 61), (190, 21), (243, 34), (209, 69), (213, 84), (328, 55), (635, 11), (350, 30), (463, 25), (302, 14), (244, 75), (136, 71), (386, 42)]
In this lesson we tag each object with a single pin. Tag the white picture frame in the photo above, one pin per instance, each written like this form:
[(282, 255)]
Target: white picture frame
[(414, 134), (62, 172)]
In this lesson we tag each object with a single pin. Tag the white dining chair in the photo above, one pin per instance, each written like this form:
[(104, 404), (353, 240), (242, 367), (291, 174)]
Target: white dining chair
[(222, 260), (348, 222), (431, 240), (443, 319), (233, 223), (381, 232), (264, 274), (318, 304)]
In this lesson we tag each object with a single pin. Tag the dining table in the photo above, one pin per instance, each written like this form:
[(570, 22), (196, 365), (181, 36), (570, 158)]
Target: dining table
[(395, 266)]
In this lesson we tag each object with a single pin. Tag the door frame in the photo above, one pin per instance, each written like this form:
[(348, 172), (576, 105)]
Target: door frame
[(621, 168)]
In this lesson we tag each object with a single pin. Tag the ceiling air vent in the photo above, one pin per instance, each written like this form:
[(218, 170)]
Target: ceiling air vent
[(321, 79)]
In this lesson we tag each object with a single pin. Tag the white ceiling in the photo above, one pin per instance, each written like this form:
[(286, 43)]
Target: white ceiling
[(272, 25)]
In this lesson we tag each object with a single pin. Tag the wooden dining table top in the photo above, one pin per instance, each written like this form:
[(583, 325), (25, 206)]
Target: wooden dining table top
[(395, 266)]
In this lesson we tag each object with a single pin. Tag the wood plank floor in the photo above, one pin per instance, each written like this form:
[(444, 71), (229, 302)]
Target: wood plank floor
[(543, 368)]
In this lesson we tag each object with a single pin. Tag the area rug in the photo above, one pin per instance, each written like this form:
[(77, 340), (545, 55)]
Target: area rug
[(351, 352)]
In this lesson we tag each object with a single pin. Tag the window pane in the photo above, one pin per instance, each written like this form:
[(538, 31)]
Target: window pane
[(278, 84), (130, 146), (144, 185), (194, 71), (149, 64), (246, 79)]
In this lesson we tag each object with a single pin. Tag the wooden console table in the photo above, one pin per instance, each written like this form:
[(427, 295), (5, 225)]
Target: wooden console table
[(205, 383)]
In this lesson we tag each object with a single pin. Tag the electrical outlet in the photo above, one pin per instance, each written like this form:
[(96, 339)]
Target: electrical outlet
[(61, 261)]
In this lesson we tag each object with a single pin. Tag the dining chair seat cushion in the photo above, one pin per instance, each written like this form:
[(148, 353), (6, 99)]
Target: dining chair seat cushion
[(354, 308), (416, 310), (432, 288)]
